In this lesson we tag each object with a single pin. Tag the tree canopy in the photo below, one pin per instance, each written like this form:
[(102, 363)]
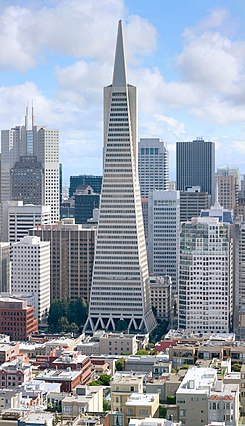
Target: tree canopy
[(67, 315)]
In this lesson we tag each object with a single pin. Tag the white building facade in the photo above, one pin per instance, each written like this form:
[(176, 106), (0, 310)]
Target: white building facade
[(120, 284), (153, 165), (18, 219), (205, 303), (163, 234), (31, 272)]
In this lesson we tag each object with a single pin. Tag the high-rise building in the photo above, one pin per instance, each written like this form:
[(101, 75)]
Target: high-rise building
[(239, 278), (192, 202), (72, 257), (21, 329), (120, 284), (4, 267), (94, 181), (228, 181), (86, 200), (163, 234), (30, 169), (31, 273), (161, 297), (18, 218), (205, 291), (153, 165), (195, 166)]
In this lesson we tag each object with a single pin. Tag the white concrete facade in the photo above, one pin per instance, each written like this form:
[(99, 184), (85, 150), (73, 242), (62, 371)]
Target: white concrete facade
[(120, 285), (31, 272), (163, 234), (206, 276), (17, 219), (153, 165)]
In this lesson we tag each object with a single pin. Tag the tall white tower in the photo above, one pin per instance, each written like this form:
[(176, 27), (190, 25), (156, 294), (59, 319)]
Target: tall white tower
[(120, 285)]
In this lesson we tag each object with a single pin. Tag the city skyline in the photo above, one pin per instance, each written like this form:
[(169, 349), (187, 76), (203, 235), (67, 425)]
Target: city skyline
[(174, 59)]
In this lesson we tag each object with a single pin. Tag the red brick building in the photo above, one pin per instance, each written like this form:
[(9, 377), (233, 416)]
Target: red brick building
[(17, 319)]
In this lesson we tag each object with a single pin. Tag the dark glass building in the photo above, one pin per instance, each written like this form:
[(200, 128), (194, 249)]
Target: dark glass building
[(94, 181), (195, 166), (86, 200), (27, 180)]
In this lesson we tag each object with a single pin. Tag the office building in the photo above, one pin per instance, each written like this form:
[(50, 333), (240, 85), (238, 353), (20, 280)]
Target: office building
[(72, 256), (192, 202), (30, 172), (88, 180), (120, 285), (163, 234), (12, 308), (195, 166), (228, 182), (239, 278), (153, 165), (86, 200), (18, 218), (222, 214), (161, 297), (205, 291), (31, 273), (4, 267)]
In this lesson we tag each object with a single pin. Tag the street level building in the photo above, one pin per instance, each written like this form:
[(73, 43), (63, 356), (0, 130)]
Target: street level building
[(120, 284), (17, 319)]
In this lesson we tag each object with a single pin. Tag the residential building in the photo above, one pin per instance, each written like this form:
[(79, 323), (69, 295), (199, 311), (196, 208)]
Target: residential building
[(141, 363), (86, 200), (192, 201), (88, 399), (140, 405), (36, 418), (72, 257), (18, 218), (12, 309), (73, 361), (69, 379), (14, 373), (31, 272), (122, 386), (9, 351), (153, 165), (118, 344), (195, 166), (153, 422), (10, 398), (228, 181), (94, 181), (4, 267), (163, 234), (161, 296), (30, 165), (205, 298), (120, 284)]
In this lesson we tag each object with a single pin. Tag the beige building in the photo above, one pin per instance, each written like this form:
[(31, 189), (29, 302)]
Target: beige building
[(89, 399), (242, 390), (118, 344), (122, 386), (139, 406), (161, 296), (228, 181), (72, 256)]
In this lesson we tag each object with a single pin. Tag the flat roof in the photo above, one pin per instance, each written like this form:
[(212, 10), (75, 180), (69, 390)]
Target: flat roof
[(139, 399)]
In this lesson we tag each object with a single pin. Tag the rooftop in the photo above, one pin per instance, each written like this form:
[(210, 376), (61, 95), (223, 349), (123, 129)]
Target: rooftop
[(140, 399), (198, 380)]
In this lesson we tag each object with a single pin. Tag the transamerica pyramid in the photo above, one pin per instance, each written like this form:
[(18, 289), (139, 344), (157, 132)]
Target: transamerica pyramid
[(120, 284)]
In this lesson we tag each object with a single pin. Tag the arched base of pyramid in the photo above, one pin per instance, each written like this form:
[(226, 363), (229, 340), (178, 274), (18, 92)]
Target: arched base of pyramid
[(109, 323)]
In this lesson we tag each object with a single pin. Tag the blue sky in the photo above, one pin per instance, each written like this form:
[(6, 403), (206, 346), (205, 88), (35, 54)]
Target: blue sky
[(186, 57)]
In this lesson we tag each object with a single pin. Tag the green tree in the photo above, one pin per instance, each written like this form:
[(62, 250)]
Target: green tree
[(73, 328), (171, 399), (121, 325), (106, 405), (142, 352), (162, 412), (104, 379), (120, 364), (236, 367), (63, 325)]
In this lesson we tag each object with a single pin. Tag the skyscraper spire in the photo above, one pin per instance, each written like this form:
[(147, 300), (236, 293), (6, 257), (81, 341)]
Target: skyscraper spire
[(119, 73), (120, 291)]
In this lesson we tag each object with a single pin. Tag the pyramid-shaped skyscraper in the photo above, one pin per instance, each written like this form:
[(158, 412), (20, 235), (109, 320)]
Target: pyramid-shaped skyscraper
[(120, 285)]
